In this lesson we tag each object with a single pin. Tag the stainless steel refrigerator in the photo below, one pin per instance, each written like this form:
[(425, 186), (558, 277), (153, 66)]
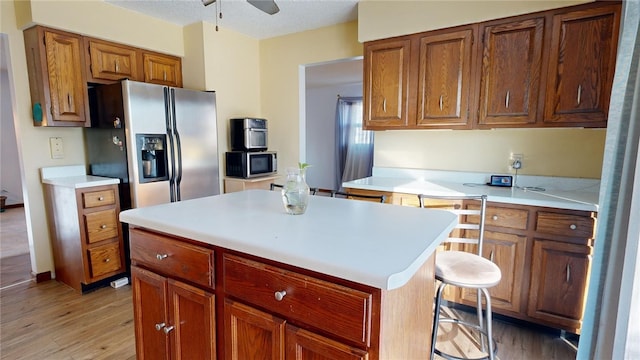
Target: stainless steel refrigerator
[(161, 142)]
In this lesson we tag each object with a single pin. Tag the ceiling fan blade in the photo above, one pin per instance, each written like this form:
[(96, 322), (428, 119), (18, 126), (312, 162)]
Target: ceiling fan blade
[(268, 6)]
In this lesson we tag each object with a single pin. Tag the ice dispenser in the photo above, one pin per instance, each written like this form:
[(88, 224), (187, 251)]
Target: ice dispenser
[(152, 157)]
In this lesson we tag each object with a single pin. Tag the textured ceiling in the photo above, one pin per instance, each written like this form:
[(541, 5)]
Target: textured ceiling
[(242, 17)]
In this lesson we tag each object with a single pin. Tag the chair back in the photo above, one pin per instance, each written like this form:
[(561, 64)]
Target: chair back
[(344, 195), (274, 186), (460, 205)]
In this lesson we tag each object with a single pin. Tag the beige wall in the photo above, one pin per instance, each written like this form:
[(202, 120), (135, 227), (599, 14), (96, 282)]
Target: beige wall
[(382, 19), (280, 61), (224, 61)]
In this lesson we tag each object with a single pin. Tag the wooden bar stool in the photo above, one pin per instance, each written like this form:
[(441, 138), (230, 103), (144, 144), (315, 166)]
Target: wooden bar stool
[(465, 270)]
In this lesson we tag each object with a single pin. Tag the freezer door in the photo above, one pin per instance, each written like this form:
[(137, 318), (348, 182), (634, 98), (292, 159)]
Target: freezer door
[(197, 136), (145, 113)]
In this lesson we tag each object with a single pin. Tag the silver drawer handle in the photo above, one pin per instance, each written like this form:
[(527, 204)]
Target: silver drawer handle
[(161, 256), (100, 198), (103, 226), (167, 329), (159, 326), (494, 217), (107, 260), (279, 295), (573, 226)]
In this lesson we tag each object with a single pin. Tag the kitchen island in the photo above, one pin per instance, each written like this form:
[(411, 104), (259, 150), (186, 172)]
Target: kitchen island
[(235, 276)]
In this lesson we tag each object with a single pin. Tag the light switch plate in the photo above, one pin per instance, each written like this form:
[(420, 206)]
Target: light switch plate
[(57, 152)]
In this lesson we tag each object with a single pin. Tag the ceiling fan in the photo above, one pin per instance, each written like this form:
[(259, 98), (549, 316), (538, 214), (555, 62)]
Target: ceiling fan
[(268, 6)]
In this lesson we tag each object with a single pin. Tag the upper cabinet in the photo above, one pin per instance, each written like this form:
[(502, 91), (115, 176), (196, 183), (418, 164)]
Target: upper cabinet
[(62, 66), (581, 67), (547, 69), (57, 81), (162, 69), (386, 83), (510, 69), (110, 62), (444, 78)]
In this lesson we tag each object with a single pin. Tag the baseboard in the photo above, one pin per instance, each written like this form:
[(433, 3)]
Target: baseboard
[(41, 277)]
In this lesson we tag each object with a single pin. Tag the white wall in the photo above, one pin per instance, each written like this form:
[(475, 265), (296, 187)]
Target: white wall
[(320, 132)]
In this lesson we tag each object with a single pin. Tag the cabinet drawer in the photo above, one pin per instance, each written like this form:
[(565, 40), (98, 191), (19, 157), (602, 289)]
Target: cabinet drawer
[(504, 217), (101, 225), (172, 257), (565, 225), (105, 259), (98, 198), (337, 309)]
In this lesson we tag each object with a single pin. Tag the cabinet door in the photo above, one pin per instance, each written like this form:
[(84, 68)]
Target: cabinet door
[(581, 66), (252, 334), (305, 345), (113, 62), (511, 68), (559, 278), (150, 317), (444, 79), (191, 321), (162, 69), (67, 88), (386, 84), (508, 251)]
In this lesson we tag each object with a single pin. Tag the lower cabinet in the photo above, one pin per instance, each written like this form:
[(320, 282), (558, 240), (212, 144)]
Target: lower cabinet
[(267, 309), (253, 334), (173, 320), (558, 291), (544, 255)]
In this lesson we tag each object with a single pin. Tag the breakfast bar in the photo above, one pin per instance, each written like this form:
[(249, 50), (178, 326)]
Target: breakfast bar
[(349, 278)]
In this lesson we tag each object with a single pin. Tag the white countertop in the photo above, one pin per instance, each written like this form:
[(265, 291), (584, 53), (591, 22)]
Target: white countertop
[(375, 244), (73, 176), (580, 197)]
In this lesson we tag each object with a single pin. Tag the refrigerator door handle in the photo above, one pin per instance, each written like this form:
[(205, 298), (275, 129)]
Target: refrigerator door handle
[(178, 147), (168, 111)]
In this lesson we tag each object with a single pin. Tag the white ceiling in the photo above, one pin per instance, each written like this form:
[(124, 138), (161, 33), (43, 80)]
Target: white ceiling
[(240, 16)]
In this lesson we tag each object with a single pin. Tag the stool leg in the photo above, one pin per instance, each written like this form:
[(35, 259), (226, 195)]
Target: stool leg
[(436, 318), (489, 322), (480, 321)]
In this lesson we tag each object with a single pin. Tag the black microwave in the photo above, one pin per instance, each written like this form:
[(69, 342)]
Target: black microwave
[(249, 164)]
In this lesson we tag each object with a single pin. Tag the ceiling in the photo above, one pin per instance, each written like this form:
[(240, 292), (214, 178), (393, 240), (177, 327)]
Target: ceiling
[(240, 16)]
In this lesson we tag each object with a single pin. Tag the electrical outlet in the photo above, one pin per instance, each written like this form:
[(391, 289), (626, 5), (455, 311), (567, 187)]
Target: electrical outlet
[(57, 152), (516, 161)]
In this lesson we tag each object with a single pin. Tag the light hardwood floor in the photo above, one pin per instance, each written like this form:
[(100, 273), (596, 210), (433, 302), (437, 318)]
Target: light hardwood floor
[(51, 321)]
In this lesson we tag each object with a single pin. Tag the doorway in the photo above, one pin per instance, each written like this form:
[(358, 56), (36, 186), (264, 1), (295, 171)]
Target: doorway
[(323, 83), (15, 263)]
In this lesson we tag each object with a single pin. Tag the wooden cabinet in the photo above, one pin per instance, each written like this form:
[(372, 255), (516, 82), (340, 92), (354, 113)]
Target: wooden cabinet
[(87, 237), (387, 84), (561, 262), (444, 78), (57, 81), (544, 255), (266, 309), (173, 319), (546, 69), (582, 60), (162, 69), (236, 184), (510, 71), (109, 62)]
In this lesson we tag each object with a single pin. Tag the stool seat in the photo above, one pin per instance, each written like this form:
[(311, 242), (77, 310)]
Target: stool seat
[(463, 269)]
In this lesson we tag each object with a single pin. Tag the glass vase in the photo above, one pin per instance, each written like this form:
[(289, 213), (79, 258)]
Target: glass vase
[(295, 192)]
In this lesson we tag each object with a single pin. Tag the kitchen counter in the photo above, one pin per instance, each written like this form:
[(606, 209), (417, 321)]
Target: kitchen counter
[(73, 177), (379, 245), (563, 193)]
